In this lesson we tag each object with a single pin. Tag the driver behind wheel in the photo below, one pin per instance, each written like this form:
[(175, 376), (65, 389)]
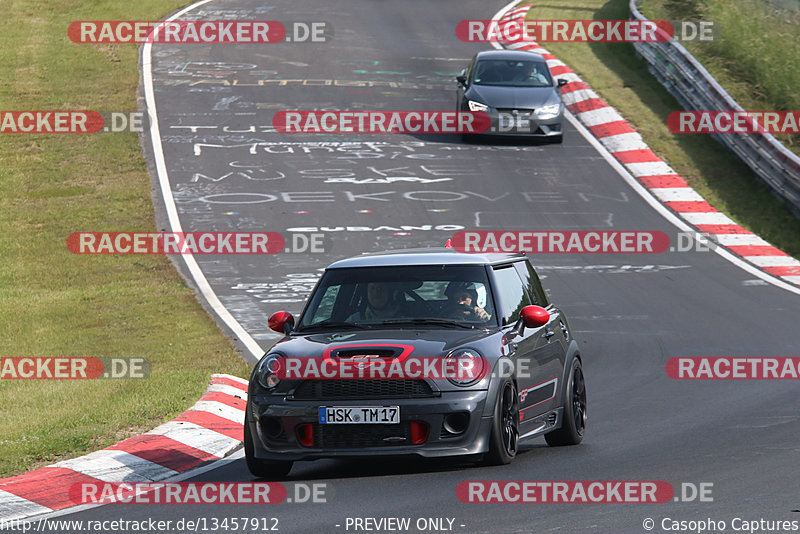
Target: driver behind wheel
[(461, 303), (382, 303)]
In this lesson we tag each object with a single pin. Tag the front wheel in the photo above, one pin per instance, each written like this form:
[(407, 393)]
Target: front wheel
[(505, 427), (258, 467), (574, 425)]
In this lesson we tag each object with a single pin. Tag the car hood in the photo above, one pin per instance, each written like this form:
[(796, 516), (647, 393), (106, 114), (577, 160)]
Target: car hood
[(425, 342), (513, 97)]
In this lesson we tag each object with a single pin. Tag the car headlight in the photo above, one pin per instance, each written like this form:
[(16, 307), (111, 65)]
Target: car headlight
[(266, 371), (477, 106), (468, 367), (548, 112)]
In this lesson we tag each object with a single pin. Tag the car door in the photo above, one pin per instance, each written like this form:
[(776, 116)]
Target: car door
[(550, 354), (534, 356)]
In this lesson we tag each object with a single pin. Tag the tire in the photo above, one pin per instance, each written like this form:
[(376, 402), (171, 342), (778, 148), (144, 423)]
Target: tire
[(258, 467), (505, 426), (574, 425)]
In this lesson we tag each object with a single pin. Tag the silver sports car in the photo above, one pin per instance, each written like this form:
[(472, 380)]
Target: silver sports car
[(518, 92)]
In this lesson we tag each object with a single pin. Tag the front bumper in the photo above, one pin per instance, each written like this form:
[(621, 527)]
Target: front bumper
[(523, 122), (274, 422)]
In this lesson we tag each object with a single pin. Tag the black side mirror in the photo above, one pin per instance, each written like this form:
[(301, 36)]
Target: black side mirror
[(562, 82), (462, 79)]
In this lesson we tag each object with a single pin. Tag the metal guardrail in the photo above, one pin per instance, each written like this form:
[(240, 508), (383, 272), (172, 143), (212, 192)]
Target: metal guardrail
[(692, 85)]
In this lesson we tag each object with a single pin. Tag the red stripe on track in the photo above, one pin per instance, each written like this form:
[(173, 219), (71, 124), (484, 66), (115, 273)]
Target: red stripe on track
[(560, 69), (228, 382), (756, 250), (571, 87), (691, 206), (611, 128), (644, 155), (48, 486), (164, 451), (224, 398), (662, 180), (213, 422), (783, 271), (589, 104)]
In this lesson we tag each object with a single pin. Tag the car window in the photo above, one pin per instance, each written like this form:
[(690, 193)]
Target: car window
[(532, 283), (512, 73), (324, 311), (512, 293), (370, 296)]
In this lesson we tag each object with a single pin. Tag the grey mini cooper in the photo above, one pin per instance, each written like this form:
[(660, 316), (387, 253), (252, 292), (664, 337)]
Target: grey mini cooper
[(487, 311)]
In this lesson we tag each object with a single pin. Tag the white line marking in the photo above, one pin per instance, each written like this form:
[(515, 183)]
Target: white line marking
[(228, 390), (706, 218), (650, 168), (676, 194), (199, 278), (196, 436), (599, 116), (14, 507), (111, 465), (733, 240), (622, 142), (774, 261)]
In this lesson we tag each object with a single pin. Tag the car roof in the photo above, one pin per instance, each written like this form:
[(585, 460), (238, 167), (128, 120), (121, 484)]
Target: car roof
[(517, 55), (424, 256)]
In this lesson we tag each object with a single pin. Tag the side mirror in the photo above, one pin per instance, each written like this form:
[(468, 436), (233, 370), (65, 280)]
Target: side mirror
[(281, 322), (462, 79), (534, 316), (562, 82)]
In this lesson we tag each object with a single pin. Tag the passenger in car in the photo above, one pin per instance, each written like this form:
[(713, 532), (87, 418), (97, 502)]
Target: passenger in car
[(462, 302)]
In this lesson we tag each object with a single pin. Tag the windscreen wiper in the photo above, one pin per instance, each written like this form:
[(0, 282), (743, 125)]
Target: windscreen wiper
[(437, 322), (333, 324)]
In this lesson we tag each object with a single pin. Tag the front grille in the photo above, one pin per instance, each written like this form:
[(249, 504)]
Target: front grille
[(354, 436), (362, 389), (511, 111)]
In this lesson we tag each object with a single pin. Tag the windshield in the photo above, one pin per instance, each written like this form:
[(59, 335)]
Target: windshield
[(512, 73), (443, 296)]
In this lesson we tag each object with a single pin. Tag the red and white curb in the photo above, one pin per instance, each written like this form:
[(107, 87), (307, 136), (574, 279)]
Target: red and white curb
[(626, 146), (209, 430)]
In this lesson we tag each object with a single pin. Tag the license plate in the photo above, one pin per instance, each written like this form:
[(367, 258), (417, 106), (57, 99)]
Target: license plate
[(359, 415), (514, 122)]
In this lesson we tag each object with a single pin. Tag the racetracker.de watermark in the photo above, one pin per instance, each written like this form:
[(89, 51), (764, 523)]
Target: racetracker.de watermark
[(734, 122), (385, 122), (560, 242), (580, 242), (565, 31), (572, 491), (733, 368), (195, 243), (72, 368), (188, 493), (464, 368), (198, 32), (71, 122)]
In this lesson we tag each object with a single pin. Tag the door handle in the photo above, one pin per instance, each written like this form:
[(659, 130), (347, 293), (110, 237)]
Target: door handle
[(548, 334)]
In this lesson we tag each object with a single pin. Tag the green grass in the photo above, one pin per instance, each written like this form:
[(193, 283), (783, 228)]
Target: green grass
[(54, 303), (622, 79), (755, 56)]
